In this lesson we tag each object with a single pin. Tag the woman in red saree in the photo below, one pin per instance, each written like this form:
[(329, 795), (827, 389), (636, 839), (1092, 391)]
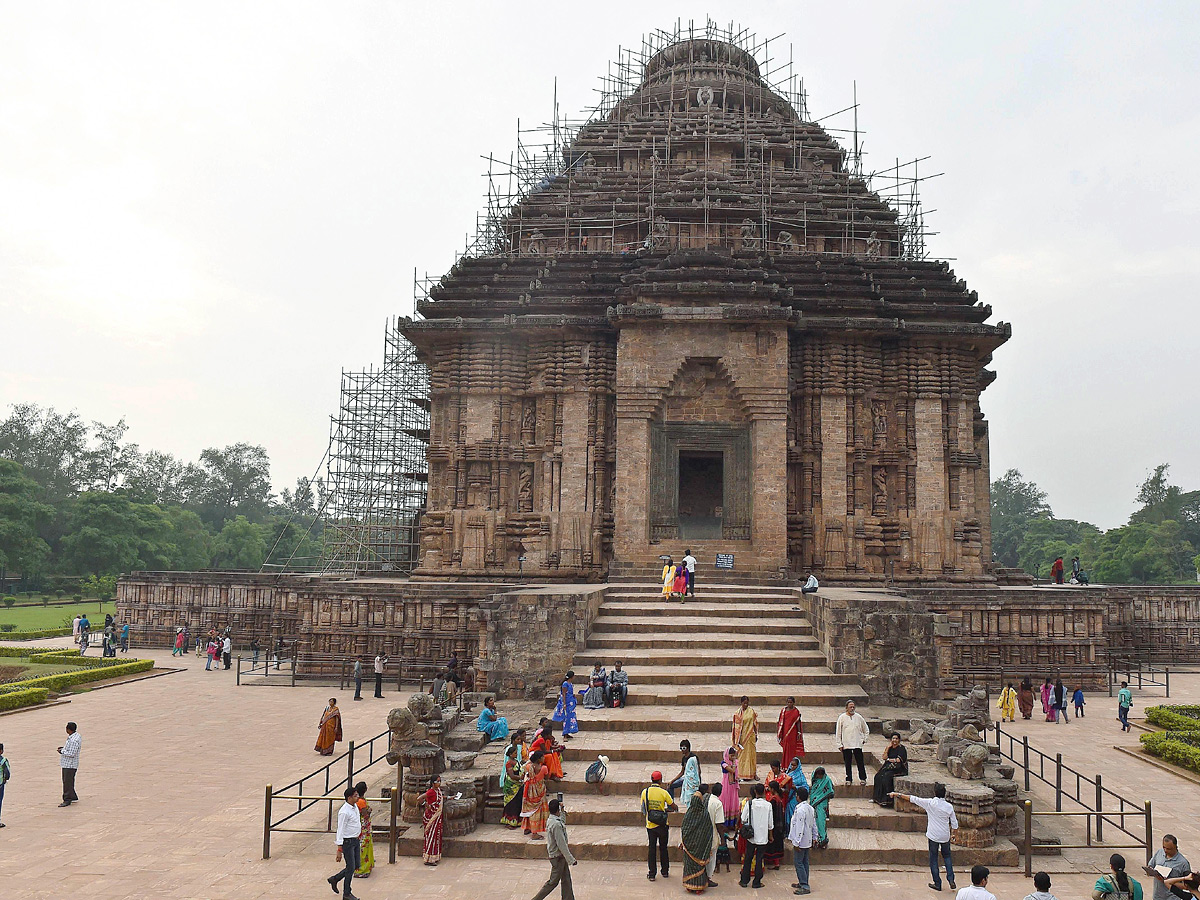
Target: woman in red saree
[(791, 733), (330, 728), (534, 806), (432, 821)]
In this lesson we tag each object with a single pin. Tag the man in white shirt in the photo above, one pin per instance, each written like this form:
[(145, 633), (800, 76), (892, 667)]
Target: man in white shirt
[(689, 565), (348, 829), (716, 812), (804, 829), (940, 821), (978, 889), (852, 731), (68, 760), (810, 586), (380, 662), (758, 815), (227, 649)]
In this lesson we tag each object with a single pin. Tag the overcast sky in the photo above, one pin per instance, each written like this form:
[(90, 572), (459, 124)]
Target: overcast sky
[(207, 210)]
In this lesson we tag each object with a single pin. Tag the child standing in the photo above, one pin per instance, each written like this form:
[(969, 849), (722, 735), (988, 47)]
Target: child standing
[(1079, 702)]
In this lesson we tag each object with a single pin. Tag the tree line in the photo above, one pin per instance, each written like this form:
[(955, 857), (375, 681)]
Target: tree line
[(78, 499), (1159, 544)]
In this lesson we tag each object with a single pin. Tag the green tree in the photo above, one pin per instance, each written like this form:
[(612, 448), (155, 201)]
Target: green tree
[(21, 516), (109, 535), (1015, 504), (240, 545), (1045, 539), (233, 481), (52, 448), (1159, 499)]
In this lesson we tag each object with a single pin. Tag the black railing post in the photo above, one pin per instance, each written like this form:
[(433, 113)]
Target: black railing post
[(1025, 742), (267, 825), (1028, 838), (1149, 833), (998, 740), (238, 680), (1167, 673), (1099, 809), (350, 765), (1058, 782), (393, 831)]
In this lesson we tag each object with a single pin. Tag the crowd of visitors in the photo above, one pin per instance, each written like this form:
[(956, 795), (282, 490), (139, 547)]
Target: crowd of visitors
[(112, 638)]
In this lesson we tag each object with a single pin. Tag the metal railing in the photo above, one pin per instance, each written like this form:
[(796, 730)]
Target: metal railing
[(1088, 816), (1146, 674), (1088, 792), (330, 790)]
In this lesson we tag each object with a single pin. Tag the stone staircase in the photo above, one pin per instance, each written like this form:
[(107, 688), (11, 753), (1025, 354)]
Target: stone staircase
[(689, 665)]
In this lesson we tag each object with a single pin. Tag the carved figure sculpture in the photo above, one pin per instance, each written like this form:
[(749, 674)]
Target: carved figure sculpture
[(537, 244), (750, 237)]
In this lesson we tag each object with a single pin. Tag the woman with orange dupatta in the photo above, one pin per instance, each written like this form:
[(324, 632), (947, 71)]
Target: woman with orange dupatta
[(432, 821), (366, 843), (329, 728), (551, 752), (790, 731), (534, 806)]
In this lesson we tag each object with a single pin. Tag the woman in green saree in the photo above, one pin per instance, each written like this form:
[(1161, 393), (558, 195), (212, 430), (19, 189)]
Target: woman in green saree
[(819, 796), (697, 843)]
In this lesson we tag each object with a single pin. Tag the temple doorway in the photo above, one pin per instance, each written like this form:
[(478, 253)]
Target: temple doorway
[(701, 494)]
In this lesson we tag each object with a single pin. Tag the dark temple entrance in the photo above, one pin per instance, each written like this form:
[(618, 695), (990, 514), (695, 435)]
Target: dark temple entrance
[(701, 494)]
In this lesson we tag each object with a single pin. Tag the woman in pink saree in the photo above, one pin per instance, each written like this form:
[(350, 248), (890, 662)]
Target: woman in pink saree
[(729, 787)]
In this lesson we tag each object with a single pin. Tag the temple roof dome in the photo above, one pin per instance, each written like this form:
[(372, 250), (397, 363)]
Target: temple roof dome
[(701, 53)]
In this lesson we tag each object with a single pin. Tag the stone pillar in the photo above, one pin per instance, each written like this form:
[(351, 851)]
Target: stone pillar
[(831, 534), (931, 485)]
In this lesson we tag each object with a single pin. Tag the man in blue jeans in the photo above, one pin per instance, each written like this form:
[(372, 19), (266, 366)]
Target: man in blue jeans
[(940, 820), (348, 828), (1124, 702)]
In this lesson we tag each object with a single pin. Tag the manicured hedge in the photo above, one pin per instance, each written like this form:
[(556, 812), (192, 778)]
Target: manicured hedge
[(33, 651), (27, 697), (1174, 717), (85, 674), (34, 635)]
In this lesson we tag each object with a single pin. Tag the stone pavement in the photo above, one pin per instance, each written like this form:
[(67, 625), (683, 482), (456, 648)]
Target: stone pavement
[(172, 778)]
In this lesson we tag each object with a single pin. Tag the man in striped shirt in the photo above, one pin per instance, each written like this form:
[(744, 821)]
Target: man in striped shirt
[(68, 759)]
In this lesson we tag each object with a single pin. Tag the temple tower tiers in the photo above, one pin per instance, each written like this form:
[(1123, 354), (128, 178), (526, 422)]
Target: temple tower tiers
[(705, 332)]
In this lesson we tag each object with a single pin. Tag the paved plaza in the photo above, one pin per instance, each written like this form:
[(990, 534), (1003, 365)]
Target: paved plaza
[(173, 771)]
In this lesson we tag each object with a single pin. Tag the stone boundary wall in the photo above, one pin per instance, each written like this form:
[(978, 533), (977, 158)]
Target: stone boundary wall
[(893, 644), (1157, 624), (529, 637)]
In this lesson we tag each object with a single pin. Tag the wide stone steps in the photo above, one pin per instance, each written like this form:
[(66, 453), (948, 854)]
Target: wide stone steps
[(701, 638), (684, 657), (726, 624), (628, 777), (811, 671), (862, 848), (781, 611), (820, 749), (763, 696), (684, 720), (624, 810)]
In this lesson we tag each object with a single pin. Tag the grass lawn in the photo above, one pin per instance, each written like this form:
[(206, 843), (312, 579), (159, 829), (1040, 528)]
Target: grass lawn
[(32, 618), (19, 668)]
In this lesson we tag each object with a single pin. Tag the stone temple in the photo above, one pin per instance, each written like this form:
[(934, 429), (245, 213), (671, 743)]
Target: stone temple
[(692, 325), (705, 331)]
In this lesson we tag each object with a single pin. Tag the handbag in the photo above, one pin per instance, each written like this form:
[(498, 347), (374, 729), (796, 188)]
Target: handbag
[(655, 817)]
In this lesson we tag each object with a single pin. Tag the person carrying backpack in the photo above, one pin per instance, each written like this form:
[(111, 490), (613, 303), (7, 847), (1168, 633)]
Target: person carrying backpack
[(656, 804)]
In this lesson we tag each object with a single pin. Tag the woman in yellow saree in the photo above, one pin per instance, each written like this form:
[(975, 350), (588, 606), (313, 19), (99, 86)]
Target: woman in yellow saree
[(366, 843), (668, 578), (745, 739)]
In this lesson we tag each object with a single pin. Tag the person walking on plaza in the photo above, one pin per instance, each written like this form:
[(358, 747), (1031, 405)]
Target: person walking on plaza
[(380, 662), (790, 731), (852, 731), (940, 820), (1077, 699), (803, 832), (1124, 704), (227, 649), (125, 638), (561, 858), (329, 729), (5, 775), (366, 842), (1060, 702), (349, 826), (68, 761), (1047, 698), (745, 739), (689, 569), (1168, 857), (357, 679), (1025, 698), (758, 815), (75, 629), (656, 803), (177, 650), (1041, 884), (716, 814), (1008, 704), (978, 887)]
